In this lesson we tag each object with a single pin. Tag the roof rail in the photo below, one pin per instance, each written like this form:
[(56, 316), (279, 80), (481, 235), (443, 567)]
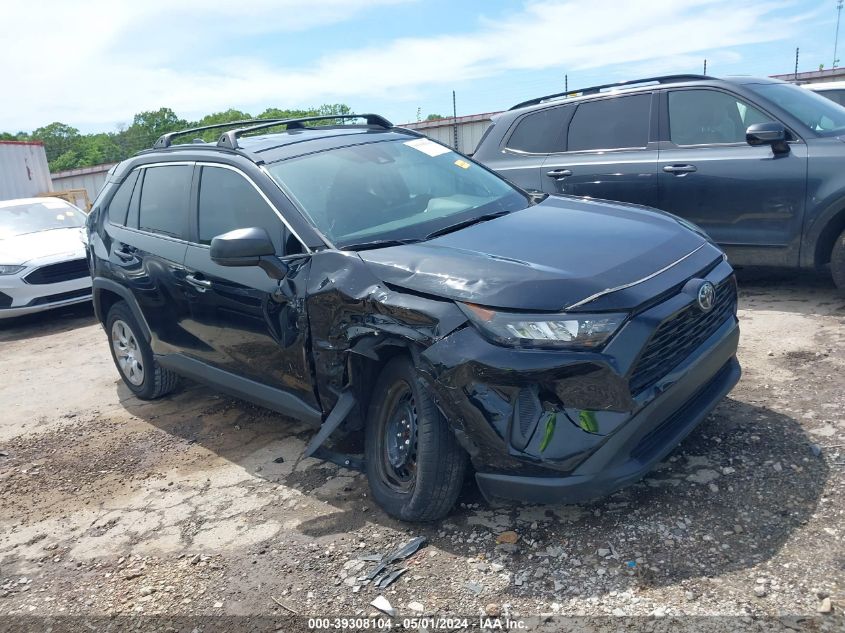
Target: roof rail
[(663, 79), (166, 140), (230, 139)]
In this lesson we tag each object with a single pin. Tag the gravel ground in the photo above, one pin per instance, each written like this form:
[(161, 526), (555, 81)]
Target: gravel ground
[(200, 506)]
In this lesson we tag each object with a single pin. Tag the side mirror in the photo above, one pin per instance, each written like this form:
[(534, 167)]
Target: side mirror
[(771, 133), (248, 247)]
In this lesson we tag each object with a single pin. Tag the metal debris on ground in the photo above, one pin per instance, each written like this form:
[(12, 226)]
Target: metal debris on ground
[(381, 572), (390, 578)]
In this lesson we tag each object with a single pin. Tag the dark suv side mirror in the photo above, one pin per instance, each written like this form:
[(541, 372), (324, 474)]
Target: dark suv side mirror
[(771, 133), (248, 247)]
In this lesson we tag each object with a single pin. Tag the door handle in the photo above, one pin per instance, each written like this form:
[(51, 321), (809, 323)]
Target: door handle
[(125, 253), (200, 284), (559, 174), (679, 170)]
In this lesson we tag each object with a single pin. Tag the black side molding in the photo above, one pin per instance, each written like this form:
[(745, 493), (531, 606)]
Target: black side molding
[(101, 283), (264, 395)]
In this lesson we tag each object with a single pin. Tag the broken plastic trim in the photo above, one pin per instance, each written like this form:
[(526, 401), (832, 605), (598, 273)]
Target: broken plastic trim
[(344, 405)]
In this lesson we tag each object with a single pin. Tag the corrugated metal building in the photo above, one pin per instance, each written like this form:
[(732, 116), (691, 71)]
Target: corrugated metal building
[(89, 178), (813, 76), (470, 130), (23, 169)]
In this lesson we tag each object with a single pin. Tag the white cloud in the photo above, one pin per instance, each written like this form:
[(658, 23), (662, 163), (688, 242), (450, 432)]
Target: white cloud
[(111, 59)]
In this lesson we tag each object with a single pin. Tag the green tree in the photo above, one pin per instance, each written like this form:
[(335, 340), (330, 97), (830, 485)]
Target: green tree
[(66, 148), (434, 117), (58, 139), (148, 126)]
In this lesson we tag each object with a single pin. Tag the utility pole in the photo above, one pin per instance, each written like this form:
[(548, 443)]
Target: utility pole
[(836, 37), (566, 83), (705, 67), (454, 121), (796, 63)]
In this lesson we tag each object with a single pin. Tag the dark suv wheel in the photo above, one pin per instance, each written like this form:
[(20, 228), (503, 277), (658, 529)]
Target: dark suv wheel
[(837, 262), (133, 357), (415, 465)]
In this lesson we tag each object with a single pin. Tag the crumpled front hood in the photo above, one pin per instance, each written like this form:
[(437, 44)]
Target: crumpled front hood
[(546, 257), (32, 246)]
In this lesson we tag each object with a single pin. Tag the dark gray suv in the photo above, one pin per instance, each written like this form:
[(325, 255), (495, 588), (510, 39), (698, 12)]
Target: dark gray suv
[(757, 163)]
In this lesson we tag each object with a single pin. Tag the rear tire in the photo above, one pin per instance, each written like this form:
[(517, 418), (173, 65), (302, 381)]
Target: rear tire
[(133, 356), (837, 262), (415, 465)]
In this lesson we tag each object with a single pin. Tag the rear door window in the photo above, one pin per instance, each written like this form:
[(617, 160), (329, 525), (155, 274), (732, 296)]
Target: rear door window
[(540, 132), (164, 200), (615, 123), (228, 201), (708, 117)]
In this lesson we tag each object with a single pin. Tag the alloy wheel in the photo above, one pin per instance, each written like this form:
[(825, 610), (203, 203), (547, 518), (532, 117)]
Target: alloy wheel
[(127, 352)]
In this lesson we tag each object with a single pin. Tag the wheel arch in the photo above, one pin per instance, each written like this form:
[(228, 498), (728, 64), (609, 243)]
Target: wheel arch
[(366, 361), (826, 238)]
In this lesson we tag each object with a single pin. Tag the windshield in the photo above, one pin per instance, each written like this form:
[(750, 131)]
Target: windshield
[(392, 190), (821, 115), (31, 217)]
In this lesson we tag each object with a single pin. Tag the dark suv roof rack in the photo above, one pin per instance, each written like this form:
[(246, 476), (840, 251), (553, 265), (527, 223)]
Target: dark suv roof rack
[(230, 139), (166, 140), (663, 79)]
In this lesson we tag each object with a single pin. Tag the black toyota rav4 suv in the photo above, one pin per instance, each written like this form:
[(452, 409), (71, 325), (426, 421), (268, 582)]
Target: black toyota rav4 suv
[(369, 281)]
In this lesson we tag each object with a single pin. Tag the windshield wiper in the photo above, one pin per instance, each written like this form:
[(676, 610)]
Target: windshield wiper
[(379, 244), (464, 223)]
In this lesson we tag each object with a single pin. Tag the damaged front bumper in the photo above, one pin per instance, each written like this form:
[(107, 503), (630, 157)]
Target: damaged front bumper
[(564, 427)]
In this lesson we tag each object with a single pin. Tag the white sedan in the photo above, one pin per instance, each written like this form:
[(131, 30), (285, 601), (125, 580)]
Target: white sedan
[(42, 256)]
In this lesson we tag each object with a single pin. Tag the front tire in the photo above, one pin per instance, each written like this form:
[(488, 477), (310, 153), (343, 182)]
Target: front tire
[(133, 356), (415, 466), (837, 262)]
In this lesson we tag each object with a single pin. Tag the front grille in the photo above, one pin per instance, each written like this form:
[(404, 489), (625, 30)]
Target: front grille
[(62, 296), (55, 273), (678, 336)]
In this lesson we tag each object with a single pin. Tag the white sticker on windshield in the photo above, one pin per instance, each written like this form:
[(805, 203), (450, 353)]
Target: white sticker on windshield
[(427, 147), (54, 205)]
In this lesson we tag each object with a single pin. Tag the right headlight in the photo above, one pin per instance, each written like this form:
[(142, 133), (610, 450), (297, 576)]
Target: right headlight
[(567, 330), (7, 269)]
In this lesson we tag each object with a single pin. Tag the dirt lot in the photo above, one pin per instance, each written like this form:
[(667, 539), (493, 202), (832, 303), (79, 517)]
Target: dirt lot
[(200, 505)]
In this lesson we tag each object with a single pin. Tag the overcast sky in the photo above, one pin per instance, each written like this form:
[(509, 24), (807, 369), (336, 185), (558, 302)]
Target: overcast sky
[(93, 64)]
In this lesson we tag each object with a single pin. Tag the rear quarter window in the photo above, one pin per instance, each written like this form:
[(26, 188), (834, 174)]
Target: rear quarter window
[(540, 132), (119, 205)]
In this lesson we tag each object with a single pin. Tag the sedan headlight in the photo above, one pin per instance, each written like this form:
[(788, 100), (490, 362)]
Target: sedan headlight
[(10, 270), (572, 330)]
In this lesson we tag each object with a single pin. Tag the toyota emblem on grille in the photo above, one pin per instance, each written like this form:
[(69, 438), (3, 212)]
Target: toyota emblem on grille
[(706, 296)]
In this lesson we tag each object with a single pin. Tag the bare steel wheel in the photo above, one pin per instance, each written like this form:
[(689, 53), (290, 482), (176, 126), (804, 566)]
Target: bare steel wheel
[(126, 352), (399, 448), (415, 465), (133, 356)]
